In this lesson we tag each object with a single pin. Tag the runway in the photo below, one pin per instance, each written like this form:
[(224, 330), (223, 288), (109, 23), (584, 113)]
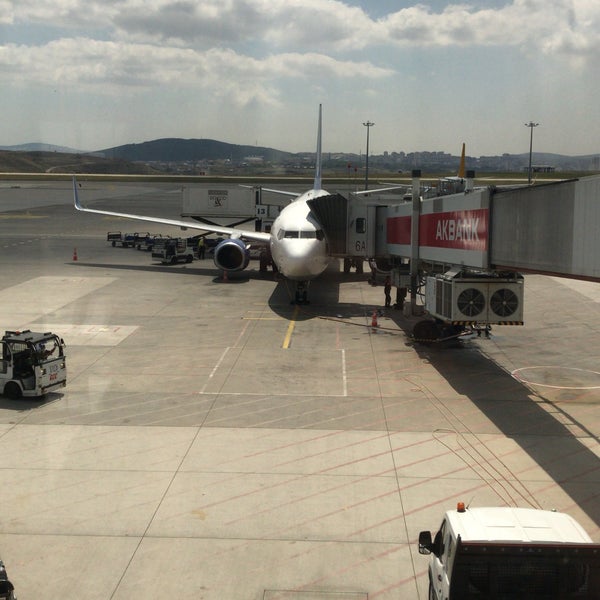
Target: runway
[(214, 442)]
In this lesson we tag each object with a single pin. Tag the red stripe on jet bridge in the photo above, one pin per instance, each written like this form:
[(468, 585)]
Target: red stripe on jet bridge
[(460, 230), (398, 230)]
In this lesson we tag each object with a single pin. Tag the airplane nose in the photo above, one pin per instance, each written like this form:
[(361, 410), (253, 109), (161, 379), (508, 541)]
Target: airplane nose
[(297, 268), (303, 260)]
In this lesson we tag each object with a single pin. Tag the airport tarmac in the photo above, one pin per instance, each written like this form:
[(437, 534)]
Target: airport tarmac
[(216, 442)]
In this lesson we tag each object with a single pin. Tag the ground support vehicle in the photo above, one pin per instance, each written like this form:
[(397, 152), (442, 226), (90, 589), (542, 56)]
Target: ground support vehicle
[(172, 250), (511, 553), (126, 240), (7, 590), (147, 242), (32, 364)]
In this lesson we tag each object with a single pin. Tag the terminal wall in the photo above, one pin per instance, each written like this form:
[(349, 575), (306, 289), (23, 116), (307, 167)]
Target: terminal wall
[(586, 224)]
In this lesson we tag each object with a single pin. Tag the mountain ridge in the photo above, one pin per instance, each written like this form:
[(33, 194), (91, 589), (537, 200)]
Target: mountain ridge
[(184, 155), (181, 149)]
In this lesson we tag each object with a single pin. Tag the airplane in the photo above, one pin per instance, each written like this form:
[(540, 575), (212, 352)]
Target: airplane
[(455, 184), (297, 241), (446, 185)]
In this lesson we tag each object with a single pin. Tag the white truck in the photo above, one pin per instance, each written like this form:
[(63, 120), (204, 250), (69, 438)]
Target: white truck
[(31, 364), (511, 553)]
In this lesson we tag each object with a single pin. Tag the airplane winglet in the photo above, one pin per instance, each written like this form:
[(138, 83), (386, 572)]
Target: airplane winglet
[(76, 195)]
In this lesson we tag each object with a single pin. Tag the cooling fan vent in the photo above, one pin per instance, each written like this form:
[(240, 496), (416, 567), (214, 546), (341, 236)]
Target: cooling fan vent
[(504, 302), (471, 302)]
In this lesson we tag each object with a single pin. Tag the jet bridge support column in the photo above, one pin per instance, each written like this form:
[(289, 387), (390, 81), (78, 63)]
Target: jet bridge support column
[(414, 239)]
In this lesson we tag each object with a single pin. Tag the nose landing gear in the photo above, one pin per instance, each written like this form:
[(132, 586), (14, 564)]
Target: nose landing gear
[(301, 295)]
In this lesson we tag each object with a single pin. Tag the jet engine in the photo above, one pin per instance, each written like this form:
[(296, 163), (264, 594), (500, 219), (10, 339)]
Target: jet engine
[(231, 255)]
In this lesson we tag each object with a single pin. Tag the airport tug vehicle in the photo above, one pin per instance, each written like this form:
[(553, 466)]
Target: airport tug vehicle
[(32, 364), (516, 553)]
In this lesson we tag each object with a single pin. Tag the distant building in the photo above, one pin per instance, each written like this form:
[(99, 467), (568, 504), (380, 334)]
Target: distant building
[(540, 169), (254, 160)]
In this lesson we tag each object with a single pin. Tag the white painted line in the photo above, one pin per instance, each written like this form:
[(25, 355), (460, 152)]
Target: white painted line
[(212, 373), (344, 374)]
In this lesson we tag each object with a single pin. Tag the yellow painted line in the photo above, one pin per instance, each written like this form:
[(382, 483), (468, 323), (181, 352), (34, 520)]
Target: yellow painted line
[(290, 329), (261, 318)]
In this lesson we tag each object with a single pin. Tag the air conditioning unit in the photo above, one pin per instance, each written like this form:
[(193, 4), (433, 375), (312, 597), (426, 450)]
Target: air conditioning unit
[(483, 299)]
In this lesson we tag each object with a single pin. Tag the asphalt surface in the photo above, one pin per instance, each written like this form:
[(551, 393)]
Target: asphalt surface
[(216, 442)]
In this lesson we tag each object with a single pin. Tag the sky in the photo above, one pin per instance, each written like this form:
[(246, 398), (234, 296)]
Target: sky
[(94, 74)]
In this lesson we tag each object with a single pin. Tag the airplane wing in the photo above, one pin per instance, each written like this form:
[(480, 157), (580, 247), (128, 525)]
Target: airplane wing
[(264, 189), (380, 190), (257, 236), (282, 192)]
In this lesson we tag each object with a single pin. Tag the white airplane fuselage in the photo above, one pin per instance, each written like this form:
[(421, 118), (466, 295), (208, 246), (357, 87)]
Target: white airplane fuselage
[(298, 245)]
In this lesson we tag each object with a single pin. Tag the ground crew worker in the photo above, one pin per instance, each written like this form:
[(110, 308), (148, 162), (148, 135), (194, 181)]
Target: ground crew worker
[(201, 248), (373, 278), (387, 288)]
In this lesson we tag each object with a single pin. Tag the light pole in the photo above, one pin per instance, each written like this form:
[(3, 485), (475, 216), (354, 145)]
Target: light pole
[(531, 125), (368, 125)]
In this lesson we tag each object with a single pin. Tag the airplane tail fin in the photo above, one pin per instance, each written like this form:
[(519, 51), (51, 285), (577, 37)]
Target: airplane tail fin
[(461, 167), (317, 184)]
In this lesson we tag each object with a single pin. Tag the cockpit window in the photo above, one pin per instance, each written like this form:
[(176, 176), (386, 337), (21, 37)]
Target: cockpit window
[(309, 234)]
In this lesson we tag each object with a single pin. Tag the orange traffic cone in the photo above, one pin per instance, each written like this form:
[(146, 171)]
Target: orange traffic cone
[(225, 280), (74, 253), (374, 319)]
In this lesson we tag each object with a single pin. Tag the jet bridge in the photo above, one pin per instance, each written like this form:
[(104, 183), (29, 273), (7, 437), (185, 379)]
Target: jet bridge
[(469, 247), (221, 204), (550, 229)]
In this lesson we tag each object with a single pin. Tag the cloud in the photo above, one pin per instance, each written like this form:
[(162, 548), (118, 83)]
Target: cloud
[(246, 49), (561, 28), (112, 66), (207, 23)]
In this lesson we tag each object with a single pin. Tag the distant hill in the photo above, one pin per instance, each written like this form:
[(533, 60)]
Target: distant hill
[(203, 156), (39, 147), (62, 162), (181, 150)]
